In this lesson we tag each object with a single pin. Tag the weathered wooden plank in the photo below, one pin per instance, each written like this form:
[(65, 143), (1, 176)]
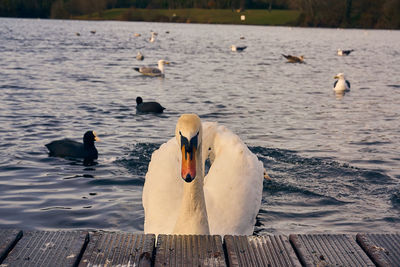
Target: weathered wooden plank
[(260, 251), (383, 249), (189, 250), (329, 250), (118, 249), (44, 248), (8, 239)]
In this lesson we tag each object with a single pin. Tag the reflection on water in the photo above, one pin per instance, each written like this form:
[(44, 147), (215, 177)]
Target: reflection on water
[(333, 159), (339, 94)]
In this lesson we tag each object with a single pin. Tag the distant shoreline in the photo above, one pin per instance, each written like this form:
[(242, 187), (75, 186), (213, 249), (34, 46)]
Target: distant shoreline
[(260, 17), (196, 15)]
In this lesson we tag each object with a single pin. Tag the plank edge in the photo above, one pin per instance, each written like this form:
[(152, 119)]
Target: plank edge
[(371, 250), (10, 247), (83, 249)]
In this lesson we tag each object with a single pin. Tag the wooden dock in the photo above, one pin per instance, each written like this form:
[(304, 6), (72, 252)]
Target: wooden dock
[(100, 248)]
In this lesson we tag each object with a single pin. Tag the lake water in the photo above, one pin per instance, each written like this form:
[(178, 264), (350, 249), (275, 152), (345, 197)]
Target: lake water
[(334, 160)]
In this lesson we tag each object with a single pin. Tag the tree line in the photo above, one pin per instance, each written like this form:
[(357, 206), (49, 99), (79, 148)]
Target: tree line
[(349, 13), (319, 13)]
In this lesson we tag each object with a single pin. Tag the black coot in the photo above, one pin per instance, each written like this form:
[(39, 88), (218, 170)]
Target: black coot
[(153, 107), (73, 149)]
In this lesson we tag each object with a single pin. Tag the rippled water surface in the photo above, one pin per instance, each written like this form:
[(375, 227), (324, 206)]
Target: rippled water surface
[(334, 160)]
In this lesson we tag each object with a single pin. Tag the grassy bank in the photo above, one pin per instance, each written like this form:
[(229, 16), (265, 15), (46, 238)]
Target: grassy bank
[(195, 15)]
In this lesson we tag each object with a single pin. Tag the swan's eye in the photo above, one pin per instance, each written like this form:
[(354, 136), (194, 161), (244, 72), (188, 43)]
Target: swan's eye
[(184, 142), (194, 141)]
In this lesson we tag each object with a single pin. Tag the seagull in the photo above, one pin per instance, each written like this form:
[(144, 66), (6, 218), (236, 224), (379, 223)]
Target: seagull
[(341, 84), (154, 72), (153, 37), (294, 59), (341, 52), (139, 56), (235, 48)]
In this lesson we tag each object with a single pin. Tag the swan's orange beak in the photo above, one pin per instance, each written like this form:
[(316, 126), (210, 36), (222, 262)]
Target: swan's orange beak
[(188, 170)]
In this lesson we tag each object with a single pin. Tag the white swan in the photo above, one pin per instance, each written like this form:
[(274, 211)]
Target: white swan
[(179, 199)]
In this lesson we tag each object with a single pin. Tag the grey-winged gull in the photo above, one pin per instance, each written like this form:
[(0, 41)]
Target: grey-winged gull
[(341, 84), (153, 37), (151, 71), (341, 52), (294, 59), (235, 48), (139, 56)]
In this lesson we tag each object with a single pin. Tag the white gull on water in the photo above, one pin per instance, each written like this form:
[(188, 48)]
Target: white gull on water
[(153, 37), (341, 52), (235, 48), (341, 84), (151, 71), (139, 56)]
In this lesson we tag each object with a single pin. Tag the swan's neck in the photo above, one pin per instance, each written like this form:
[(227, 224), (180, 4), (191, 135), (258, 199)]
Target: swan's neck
[(192, 217)]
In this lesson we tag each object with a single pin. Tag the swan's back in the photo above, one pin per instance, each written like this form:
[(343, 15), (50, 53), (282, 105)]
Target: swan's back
[(234, 183)]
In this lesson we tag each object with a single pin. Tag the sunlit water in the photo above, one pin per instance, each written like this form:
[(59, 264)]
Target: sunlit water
[(334, 160)]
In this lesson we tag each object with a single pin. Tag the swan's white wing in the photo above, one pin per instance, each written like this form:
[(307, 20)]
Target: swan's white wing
[(234, 183), (209, 132), (162, 191)]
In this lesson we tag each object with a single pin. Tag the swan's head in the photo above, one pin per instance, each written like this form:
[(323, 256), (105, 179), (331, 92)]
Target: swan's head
[(339, 76), (188, 133)]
